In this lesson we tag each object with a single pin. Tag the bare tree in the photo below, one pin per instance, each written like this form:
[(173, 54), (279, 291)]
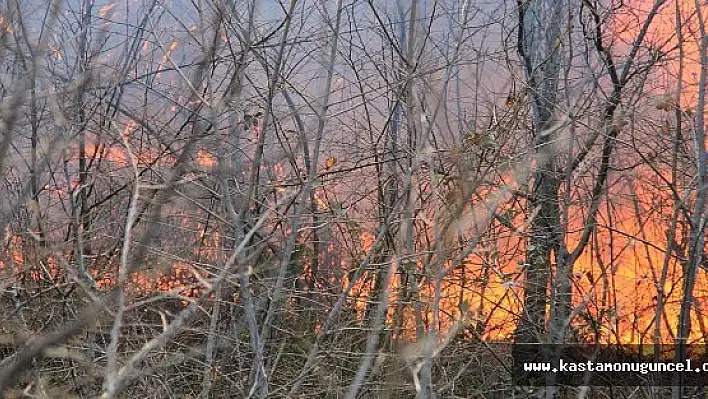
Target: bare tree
[(242, 198)]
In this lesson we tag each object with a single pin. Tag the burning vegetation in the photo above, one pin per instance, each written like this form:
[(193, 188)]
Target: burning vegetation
[(331, 199)]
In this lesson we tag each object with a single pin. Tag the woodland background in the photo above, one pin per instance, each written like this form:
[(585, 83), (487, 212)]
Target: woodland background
[(359, 199)]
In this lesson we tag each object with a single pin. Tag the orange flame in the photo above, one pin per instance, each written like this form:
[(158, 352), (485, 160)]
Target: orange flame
[(106, 9)]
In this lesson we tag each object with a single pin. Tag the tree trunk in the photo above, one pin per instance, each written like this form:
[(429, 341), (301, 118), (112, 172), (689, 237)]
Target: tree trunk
[(539, 47)]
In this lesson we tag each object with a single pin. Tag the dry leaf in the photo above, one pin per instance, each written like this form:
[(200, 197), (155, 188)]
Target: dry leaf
[(331, 161), (664, 102)]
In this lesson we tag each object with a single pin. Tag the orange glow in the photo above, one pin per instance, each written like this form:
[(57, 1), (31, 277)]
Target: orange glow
[(661, 37), (168, 55), (367, 241), (56, 52), (205, 159), (615, 281), (103, 12)]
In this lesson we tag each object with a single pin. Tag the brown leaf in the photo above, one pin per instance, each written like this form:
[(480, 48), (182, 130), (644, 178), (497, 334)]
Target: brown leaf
[(331, 161)]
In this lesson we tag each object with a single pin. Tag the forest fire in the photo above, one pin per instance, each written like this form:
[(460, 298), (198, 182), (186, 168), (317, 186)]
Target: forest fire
[(346, 199), (615, 286)]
